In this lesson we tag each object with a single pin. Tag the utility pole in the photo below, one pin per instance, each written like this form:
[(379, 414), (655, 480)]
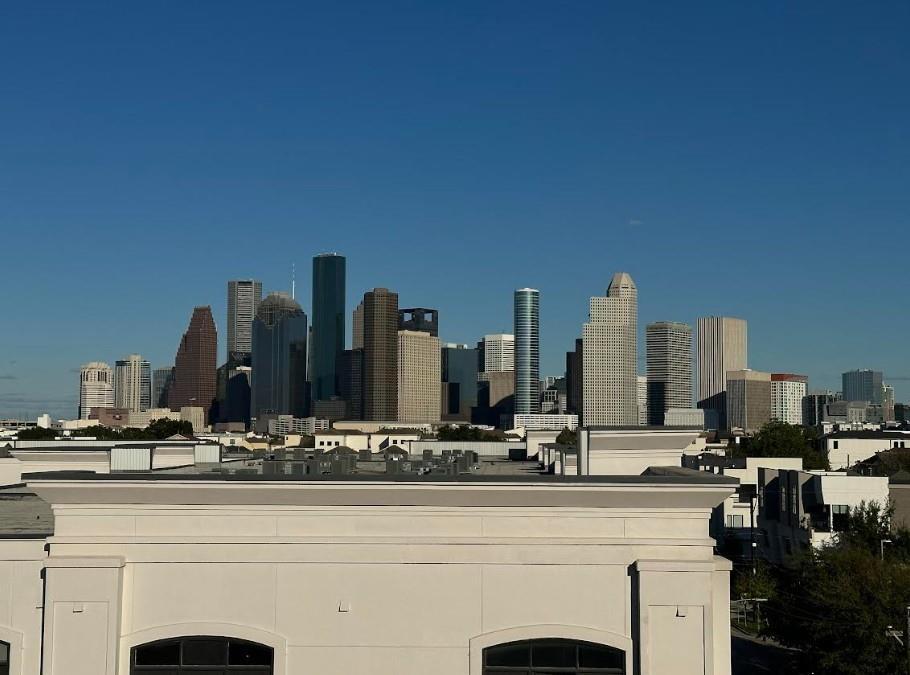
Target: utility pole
[(907, 640)]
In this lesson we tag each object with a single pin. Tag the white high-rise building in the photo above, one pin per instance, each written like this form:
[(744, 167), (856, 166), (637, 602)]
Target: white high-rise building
[(722, 348), (609, 356), (133, 384), (642, 392), (527, 351), (96, 388), (244, 296), (787, 394), (669, 356), (419, 377), (498, 353)]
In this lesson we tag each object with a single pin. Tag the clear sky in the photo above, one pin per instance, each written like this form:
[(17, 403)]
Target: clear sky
[(750, 159)]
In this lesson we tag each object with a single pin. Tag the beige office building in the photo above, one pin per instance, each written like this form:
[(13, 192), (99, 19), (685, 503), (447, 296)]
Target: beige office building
[(748, 399), (609, 356), (132, 384), (722, 347), (419, 377)]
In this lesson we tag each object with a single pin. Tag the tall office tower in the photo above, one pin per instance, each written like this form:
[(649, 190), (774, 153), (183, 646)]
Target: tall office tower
[(887, 403), (243, 297), (669, 354), (419, 377), (642, 399), (527, 351), (419, 319), (279, 383), (96, 388), (609, 356), (748, 399), (357, 327), (459, 382), (351, 383), (862, 385), (161, 380), (132, 384), (194, 380), (498, 353), (380, 355), (573, 379), (787, 394), (328, 324), (722, 347)]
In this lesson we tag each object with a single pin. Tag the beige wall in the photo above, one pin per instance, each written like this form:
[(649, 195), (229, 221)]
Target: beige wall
[(338, 578)]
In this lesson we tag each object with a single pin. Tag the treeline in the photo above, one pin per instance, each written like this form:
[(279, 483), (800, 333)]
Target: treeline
[(157, 430)]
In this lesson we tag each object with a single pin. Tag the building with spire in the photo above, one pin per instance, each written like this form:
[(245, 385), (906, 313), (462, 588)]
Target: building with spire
[(610, 355)]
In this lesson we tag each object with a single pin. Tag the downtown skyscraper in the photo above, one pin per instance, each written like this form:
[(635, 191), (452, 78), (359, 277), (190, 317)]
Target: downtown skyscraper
[(96, 388), (243, 297), (327, 343), (194, 380), (862, 385), (668, 347), (610, 355), (722, 348), (527, 351), (380, 355), (132, 384), (279, 358)]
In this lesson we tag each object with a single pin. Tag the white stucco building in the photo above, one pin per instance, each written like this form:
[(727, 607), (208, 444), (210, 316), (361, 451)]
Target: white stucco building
[(178, 573)]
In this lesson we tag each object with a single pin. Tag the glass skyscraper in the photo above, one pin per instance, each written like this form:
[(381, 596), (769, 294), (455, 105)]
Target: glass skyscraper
[(327, 344), (527, 351), (279, 358)]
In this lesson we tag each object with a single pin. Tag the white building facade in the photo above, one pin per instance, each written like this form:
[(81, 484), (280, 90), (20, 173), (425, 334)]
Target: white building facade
[(609, 356), (96, 388), (244, 296), (132, 384), (498, 353), (287, 577), (787, 394)]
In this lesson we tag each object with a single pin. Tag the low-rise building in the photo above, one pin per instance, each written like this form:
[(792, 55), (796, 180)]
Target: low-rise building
[(803, 509), (631, 450), (541, 421), (386, 574), (846, 448)]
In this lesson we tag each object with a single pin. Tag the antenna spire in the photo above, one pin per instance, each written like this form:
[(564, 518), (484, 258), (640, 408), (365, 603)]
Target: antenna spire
[(293, 281)]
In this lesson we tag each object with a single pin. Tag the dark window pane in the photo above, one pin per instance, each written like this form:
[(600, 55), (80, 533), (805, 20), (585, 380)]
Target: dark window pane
[(592, 656), (4, 653), (553, 655), (249, 654), (204, 652), (158, 654), (141, 670), (508, 655)]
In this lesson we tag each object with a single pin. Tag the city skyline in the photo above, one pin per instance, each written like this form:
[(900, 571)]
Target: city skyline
[(555, 364), (606, 138)]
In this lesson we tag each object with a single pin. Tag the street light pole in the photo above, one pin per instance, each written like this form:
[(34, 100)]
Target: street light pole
[(881, 544)]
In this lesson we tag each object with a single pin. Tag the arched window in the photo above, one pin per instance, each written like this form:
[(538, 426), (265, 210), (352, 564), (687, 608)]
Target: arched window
[(537, 657), (4, 658), (201, 654)]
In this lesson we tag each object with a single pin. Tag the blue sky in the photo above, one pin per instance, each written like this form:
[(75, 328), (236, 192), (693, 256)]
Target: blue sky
[(740, 158)]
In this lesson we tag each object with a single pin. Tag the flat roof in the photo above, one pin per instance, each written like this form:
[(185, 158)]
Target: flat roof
[(23, 514), (496, 471)]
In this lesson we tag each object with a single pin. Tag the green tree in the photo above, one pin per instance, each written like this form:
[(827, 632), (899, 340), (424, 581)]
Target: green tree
[(567, 437), (778, 439), (37, 434)]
